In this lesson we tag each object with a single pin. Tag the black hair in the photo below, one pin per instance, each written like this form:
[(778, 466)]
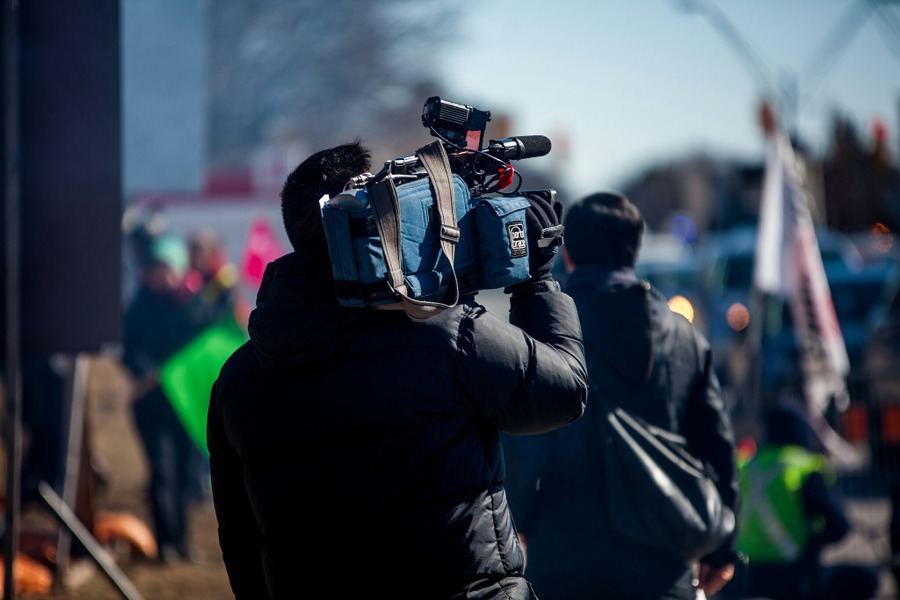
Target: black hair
[(787, 424), (604, 229), (325, 172)]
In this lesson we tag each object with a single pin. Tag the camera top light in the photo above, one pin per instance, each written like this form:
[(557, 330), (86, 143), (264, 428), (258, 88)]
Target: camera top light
[(458, 123)]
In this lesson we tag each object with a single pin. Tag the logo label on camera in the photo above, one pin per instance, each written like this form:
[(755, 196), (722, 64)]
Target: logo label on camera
[(518, 247)]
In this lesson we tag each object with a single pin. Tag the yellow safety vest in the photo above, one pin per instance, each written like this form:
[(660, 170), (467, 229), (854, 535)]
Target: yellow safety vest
[(774, 527)]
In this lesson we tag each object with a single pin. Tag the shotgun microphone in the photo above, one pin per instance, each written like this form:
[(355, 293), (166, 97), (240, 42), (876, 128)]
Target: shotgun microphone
[(517, 148)]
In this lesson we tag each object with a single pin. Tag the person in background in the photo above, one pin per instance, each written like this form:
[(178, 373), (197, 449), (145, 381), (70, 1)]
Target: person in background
[(157, 324), (212, 278), (356, 451), (659, 368), (792, 512), (211, 282)]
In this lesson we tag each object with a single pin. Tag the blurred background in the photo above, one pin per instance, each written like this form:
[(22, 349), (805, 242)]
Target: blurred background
[(129, 120)]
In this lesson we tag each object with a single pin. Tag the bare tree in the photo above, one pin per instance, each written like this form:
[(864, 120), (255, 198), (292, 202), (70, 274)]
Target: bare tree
[(324, 71)]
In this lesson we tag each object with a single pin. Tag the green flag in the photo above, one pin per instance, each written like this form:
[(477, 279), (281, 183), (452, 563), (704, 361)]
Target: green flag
[(187, 377)]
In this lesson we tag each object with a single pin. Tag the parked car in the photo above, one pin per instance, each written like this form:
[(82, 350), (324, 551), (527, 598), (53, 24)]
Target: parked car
[(856, 295), (742, 327), (728, 260)]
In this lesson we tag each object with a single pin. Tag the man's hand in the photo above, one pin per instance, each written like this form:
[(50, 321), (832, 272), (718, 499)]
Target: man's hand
[(542, 220), (545, 236), (713, 579)]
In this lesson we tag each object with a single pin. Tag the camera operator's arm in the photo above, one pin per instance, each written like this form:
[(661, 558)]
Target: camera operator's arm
[(556, 354), (541, 310), (528, 377), (532, 374)]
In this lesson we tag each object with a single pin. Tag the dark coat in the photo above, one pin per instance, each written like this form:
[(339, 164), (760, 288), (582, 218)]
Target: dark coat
[(659, 369), (357, 451), (156, 326)]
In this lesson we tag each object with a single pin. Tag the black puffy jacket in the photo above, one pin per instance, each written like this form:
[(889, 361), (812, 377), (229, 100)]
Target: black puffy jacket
[(357, 451)]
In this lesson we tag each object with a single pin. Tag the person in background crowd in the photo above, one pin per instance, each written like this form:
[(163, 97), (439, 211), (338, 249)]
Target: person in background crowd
[(791, 514), (158, 323), (356, 451), (659, 368), (211, 278), (211, 281)]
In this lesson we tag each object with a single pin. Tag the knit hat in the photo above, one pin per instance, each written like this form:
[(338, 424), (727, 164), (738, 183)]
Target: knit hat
[(786, 424), (169, 250)]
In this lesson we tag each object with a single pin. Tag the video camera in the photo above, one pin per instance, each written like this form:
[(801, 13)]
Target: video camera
[(444, 222), (461, 129)]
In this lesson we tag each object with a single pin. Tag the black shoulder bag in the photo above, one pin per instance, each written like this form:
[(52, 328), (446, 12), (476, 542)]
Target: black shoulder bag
[(659, 494)]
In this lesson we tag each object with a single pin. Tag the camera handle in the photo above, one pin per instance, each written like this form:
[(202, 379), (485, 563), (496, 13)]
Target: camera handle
[(386, 209)]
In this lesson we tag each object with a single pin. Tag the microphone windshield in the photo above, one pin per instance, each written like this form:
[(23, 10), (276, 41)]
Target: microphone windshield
[(534, 145), (517, 148)]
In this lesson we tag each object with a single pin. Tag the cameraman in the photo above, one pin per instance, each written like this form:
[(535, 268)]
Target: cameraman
[(357, 450)]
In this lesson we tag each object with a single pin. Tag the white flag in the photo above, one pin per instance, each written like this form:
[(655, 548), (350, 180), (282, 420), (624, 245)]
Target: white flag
[(789, 264)]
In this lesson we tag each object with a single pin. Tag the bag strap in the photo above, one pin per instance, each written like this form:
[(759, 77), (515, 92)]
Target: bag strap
[(386, 208)]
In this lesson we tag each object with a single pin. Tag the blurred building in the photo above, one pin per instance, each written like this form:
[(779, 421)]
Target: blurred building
[(164, 59)]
